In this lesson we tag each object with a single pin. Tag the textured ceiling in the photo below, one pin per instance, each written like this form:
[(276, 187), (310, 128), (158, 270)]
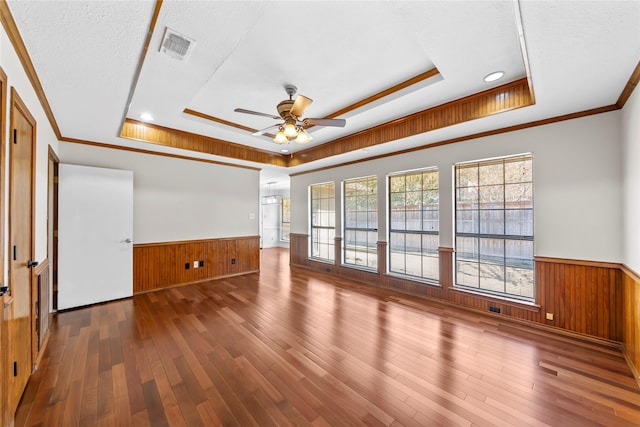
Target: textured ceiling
[(87, 54)]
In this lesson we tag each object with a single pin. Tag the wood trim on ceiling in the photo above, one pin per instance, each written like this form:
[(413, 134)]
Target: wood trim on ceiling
[(386, 92), (472, 136), (153, 153), (159, 135), (629, 87), (497, 100), (143, 55), (21, 50)]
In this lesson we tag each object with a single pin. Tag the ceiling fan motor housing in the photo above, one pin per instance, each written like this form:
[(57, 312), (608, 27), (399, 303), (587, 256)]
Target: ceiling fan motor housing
[(284, 108)]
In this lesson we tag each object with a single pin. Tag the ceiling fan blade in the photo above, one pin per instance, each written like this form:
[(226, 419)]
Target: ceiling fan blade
[(256, 113), (300, 105), (265, 130), (325, 122)]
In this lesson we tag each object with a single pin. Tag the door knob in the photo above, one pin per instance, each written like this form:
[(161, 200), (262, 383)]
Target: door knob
[(31, 264), (128, 240)]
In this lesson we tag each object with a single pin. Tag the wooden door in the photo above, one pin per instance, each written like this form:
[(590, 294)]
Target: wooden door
[(21, 250)]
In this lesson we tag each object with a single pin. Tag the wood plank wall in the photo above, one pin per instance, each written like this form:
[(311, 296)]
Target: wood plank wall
[(631, 318), (41, 317), (584, 297), (161, 265)]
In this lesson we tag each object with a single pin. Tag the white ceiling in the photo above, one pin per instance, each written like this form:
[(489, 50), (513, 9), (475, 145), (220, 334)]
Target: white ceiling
[(87, 54)]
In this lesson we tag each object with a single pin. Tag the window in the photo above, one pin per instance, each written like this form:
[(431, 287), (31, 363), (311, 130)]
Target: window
[(323, 217), (494, 227), (413, 224), (285, 218), (361, 222)]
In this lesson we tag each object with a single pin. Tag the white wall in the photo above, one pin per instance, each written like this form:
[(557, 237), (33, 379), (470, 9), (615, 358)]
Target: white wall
[(577, 184), (630, 126), (177, 199), (45, 137)]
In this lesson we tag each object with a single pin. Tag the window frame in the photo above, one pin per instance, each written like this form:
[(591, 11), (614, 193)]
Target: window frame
[(487, 238), (371, 263), (330, 245), (282, 219), (391, 269)]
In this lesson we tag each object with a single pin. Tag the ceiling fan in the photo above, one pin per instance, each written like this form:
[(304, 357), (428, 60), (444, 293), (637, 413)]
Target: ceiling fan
[(294, 126)]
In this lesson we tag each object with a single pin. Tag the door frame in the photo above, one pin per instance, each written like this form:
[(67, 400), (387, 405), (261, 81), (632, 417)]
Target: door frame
[(52, 228), (4, 332)]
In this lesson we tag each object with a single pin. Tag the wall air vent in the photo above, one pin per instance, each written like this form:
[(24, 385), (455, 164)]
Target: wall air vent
[(176, 45)]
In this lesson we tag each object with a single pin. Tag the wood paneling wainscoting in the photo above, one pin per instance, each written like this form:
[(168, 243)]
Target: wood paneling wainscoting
[(41, 316), (584, 297), (631, 318), (166, 264)]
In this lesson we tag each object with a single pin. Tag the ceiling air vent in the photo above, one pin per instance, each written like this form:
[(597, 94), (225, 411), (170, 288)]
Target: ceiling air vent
[(176, 45)]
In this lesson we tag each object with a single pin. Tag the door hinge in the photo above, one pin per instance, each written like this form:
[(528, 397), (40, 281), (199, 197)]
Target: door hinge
[(55, 180), (15, 136), (55, 233)]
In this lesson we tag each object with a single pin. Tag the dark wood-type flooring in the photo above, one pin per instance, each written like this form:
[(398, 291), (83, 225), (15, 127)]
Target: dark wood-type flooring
[(294, 347)]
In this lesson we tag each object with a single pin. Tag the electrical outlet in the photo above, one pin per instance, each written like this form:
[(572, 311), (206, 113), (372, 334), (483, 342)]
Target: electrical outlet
[(201, 263), (233, 260), (186, 265), (549, 316), (494, 309), (195, 264)]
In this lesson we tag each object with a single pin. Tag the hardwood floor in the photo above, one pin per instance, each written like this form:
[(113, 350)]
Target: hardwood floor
[(295, 347)]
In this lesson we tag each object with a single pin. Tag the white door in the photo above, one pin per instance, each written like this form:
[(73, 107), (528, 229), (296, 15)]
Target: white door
[(95, 233)]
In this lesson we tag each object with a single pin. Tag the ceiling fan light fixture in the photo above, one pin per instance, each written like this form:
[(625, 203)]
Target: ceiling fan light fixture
[(303, 136), (281, 138), (290, 130)]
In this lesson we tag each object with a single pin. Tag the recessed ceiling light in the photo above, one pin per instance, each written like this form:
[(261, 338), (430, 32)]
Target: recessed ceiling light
[(284, 151), (494, 76), (146, 116)]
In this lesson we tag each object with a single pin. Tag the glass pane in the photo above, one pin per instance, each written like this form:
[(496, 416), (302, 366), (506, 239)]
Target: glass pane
[(397, 200), (361, 219), (397, 262), (491, 197), (414, 243), (372, 220), (396, 184), (414, 182), (466, 198), (430, 245), (397, 220), (430, 198), (492, 222), (520, 282), (396, 242), (414, 264), (467, 274), (492, 251), (430, 267), (520, 171), (467, 222), (492, 277), (491, 174), (519, 222), (413, 219), (518, 195), (519, 253), (467, 176), (430, 180), (467, 248)]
